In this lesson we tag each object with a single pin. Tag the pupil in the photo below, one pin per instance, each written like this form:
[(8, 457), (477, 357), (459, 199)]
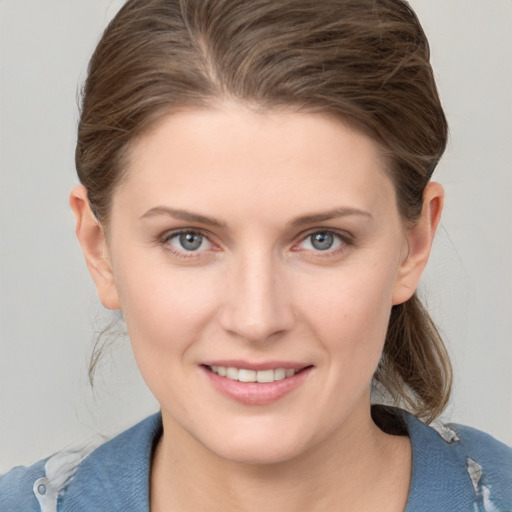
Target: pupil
[(191, 241), (322, 241)]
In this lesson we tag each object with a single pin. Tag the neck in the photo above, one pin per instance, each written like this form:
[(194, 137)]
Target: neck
[(358, 467)]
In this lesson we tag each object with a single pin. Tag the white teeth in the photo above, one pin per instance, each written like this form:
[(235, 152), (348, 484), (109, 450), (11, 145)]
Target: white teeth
[(265, 376), (232, 373), (279, 374), (244, 375)]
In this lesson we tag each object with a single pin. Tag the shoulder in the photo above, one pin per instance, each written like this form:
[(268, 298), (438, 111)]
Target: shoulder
[(38, 487), (17, 488), (460, 467), (114, 476)]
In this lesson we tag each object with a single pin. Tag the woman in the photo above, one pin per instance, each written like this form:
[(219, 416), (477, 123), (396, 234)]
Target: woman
[(255, 198)]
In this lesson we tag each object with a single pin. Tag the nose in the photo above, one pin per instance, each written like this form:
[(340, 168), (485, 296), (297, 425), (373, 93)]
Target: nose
[(258, 306)]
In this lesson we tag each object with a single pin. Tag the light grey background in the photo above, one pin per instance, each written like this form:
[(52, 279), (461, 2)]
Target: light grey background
[(48, 307)]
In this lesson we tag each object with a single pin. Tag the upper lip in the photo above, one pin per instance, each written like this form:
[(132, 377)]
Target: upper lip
[(256, 366)]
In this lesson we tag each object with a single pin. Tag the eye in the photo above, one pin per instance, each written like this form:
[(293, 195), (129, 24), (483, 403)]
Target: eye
[(188, 241), (322, 241)]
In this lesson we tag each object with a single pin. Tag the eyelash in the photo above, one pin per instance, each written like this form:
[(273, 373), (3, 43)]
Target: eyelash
[(166, 239), (344, 241)]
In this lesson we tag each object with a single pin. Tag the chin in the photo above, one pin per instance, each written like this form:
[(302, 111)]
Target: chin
[(261, 454), (258, 446)]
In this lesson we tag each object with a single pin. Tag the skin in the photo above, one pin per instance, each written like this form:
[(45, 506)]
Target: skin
[(258, 290)]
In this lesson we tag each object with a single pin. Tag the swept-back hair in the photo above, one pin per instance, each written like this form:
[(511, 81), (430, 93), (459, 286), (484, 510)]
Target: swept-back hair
[(363, 61)]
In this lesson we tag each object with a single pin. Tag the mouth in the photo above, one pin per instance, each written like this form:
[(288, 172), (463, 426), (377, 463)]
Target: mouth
[(259, 385), (248, 375)]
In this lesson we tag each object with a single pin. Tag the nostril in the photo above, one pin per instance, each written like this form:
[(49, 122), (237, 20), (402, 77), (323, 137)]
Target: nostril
[(257, 307)]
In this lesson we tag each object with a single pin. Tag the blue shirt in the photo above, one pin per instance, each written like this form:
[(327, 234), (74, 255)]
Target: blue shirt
[(455, 469)]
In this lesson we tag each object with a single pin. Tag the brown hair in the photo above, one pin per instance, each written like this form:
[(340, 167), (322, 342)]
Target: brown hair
[(364, 61)]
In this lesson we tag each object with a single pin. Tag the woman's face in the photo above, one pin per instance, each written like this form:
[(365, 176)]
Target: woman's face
[(265, 246)]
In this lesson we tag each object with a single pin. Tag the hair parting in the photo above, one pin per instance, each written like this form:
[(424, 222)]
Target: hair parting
[(365, 62)]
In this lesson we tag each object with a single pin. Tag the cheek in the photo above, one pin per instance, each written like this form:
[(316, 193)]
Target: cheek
[(350, 312), (166, 315), (165, 310)]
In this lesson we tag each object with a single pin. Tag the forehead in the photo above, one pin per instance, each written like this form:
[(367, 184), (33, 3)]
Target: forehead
[(232, 156)]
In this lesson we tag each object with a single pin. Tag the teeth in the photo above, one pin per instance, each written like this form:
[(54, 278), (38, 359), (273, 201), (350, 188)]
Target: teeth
[(244, 375), (231, 373), (265, 376), (279, 374)]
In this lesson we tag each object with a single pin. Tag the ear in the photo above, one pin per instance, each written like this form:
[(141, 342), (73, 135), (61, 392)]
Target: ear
[(419, 238), (91, 236)]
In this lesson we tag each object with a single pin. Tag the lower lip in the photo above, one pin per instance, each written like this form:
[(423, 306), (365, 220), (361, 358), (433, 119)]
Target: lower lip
[(256, 393)]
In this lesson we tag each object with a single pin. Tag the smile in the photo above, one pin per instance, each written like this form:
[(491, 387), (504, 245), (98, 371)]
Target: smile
[(245, 375), (262, 384)]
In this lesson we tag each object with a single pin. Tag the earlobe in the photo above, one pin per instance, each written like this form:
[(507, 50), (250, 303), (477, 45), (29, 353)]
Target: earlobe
[(92, 239), (419, 238)]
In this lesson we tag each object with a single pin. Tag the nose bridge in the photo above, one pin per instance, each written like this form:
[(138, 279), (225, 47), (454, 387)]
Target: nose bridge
[(258, 306)]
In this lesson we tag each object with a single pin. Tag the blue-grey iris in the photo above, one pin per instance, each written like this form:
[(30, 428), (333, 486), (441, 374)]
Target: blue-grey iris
[(322, 241), (191, 241)]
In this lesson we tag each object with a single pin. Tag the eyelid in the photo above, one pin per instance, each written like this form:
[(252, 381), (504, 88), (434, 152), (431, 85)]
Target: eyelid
[(171, 233), (165, 238), (346, 240)]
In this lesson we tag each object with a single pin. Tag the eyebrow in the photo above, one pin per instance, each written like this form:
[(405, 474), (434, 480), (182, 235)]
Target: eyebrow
[(183, 215), (209, 221), (331, 214)]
